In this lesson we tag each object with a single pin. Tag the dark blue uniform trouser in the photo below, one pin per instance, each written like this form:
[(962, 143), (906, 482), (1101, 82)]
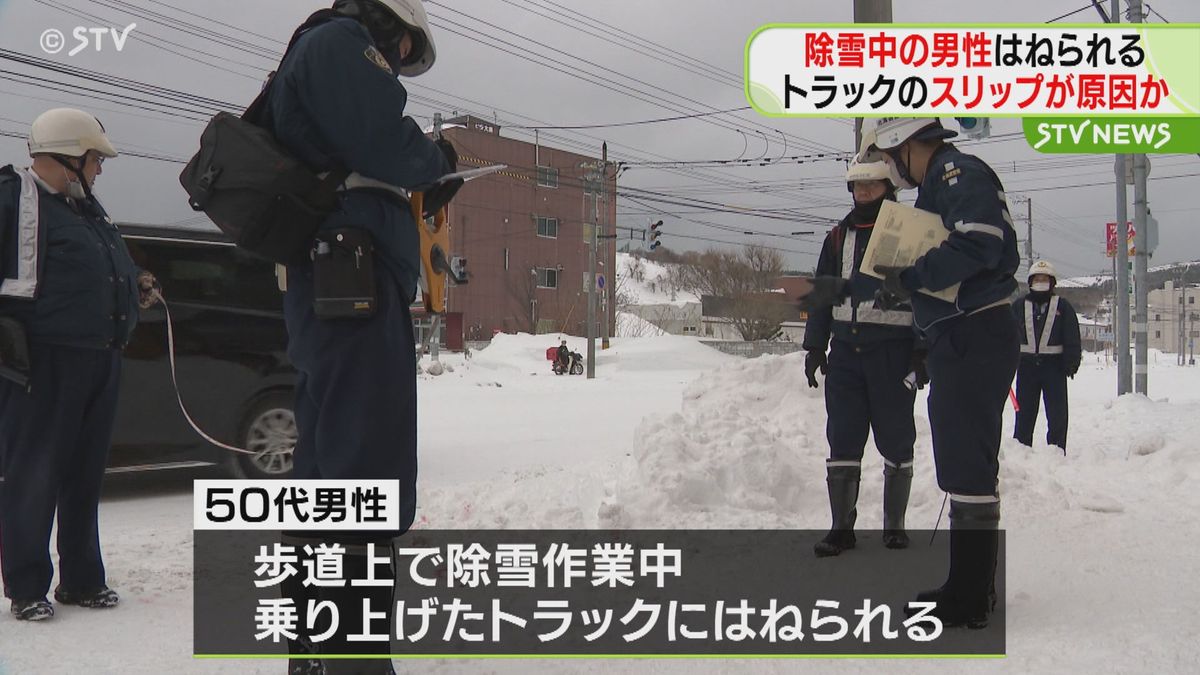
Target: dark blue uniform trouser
[(1040, 376), (356, 394), (54, 444), (864, 390), (971, 366)]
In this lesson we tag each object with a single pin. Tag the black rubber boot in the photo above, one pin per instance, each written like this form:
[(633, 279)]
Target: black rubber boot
[(349, 601), (303, 653), (897, 482), (969, 595), (842, 482)]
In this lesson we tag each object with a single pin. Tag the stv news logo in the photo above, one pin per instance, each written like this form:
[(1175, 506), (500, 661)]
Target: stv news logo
[(53, 41)]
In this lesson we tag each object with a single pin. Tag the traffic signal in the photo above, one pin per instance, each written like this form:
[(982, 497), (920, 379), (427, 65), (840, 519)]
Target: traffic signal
[(655, 233), (975, 127)]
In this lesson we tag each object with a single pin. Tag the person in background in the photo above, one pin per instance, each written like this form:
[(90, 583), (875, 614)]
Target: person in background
[(73, 293), (1050, 353)]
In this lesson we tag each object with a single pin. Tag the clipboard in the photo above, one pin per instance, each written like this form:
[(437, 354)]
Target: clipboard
[(900, 236)]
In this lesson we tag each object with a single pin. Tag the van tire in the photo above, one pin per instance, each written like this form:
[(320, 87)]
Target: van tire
[(269, 424)]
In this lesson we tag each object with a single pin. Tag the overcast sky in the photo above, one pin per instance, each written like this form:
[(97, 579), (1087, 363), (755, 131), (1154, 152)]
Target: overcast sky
[(645, 58)]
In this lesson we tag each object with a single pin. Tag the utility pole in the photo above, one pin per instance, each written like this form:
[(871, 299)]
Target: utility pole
[(1192, 341), (1121, 280), (593, 179), (610, 275), (1182, 321), (1029, 231), (869, 11), (1140, 278)]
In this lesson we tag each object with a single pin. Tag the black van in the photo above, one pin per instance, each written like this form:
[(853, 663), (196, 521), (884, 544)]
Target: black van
[(230, 346)]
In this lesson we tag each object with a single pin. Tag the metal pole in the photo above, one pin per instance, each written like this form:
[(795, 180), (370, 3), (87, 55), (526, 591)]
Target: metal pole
[(1029, 231), (611, 275), (1182, 324), (1112, 314), (591, 298), (1141, 285), (1121, 337), (869, 11)]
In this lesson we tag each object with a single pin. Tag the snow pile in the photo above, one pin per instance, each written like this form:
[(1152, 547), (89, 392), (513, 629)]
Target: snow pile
[(506, 443), (748, 449), (731, 458)]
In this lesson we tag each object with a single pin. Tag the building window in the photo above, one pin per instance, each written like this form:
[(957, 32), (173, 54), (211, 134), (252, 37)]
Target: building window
[(1191, 299), (547, 277), (1158, 317), (547, 227), (1157, 334), (547, 177)]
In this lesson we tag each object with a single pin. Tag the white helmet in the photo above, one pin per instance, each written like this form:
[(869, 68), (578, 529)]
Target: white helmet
[(869, 171), (412, 14), (69, 132), (1043, 267), (892, 132)]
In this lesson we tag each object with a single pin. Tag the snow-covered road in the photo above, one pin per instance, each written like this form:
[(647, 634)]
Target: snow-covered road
[(1102, 543)]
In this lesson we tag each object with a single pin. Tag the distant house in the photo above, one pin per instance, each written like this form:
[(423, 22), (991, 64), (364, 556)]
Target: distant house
[(672, 319), (716, 313)]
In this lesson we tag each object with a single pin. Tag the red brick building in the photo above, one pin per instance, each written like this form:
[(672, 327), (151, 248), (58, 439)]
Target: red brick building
[(524, 234)]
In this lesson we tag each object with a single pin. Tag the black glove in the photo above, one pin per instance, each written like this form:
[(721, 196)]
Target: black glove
[(826, 292), (449, 152), (1071, 369), (441, 193), (893, 294), (917, 366), (816, 360)]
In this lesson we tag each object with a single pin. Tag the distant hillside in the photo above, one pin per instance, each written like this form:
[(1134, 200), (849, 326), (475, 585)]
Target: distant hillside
[(1159, 275)]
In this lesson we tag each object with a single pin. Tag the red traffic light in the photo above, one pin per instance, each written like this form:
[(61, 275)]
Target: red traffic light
[(655, 226)]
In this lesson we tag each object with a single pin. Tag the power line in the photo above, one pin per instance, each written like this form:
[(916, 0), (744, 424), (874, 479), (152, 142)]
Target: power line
[(570, 142), (657, 90), (1060, 18), (630, 124), (141, 155), (155, 41), (1155, 11)]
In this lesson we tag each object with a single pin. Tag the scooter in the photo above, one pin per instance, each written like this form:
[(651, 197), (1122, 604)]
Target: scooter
[(576, 365)]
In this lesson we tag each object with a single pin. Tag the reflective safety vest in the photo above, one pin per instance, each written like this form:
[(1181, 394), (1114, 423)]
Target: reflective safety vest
[(1030, 344), (24, 282), (850, 311)]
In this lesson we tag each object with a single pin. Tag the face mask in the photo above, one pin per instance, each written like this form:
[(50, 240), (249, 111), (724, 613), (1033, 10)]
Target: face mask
[(75, 189), (1040, 287), (868, 212)]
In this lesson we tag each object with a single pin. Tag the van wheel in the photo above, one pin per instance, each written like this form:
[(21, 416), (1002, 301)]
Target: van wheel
[(269, 431)]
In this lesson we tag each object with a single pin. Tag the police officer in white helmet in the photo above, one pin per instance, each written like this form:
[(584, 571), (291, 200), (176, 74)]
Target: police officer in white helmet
[(871, 353), (337, 103), (69, 299), (1050, 353), (973, 341)]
